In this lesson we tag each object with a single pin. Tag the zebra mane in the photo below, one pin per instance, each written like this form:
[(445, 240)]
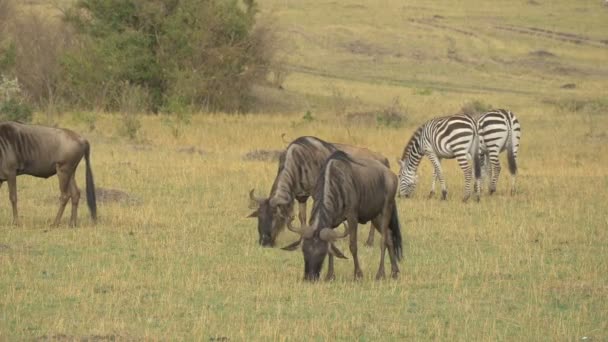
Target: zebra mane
[(415, 138)]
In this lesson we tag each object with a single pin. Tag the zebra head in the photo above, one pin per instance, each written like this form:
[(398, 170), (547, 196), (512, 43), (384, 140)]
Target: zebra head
[(407, 180)]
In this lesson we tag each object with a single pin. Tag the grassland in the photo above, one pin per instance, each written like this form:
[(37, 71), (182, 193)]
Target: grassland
[(178, 261)]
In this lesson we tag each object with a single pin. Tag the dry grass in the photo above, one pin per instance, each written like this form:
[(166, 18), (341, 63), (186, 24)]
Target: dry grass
[(181, 262)]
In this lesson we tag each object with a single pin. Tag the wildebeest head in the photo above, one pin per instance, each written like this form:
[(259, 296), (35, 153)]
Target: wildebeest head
[(407, 180), (271, 218), (316, 243)]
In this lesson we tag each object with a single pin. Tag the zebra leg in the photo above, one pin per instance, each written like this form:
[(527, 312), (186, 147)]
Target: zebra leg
[(468, 175), (439, 175), (12, 195), (495, 166), (435, 177)]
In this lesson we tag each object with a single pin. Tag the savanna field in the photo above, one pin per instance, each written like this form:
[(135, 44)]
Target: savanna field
[(174, 256)]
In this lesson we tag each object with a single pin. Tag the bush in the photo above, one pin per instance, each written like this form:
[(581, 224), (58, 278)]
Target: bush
[(14, 110), (31, 45), (475, 107), (12, 105), (209, 53)]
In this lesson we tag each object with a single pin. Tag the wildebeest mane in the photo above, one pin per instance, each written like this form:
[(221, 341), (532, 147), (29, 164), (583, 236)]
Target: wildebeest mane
[(319, 208)]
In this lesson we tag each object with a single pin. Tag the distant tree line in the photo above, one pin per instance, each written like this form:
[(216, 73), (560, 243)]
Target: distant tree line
[(137, 55)]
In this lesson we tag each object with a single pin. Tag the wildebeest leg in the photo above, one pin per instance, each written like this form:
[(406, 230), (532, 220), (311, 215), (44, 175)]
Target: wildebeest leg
[(386, 217), (302, 210), (75, 195), (64, 175), (370, 238), (378, 223), (12, 195), (352, 227), (330, 269)]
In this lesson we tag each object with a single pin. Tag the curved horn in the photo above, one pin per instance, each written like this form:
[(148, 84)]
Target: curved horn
[(292, 228), (331, 235), (255, 201), (305, 231)]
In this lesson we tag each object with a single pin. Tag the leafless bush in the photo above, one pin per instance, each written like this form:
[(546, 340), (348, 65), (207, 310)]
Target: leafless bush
[(38, 42)]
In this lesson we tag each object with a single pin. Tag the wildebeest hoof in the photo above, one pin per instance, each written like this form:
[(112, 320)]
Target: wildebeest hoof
[(358, 275), (369, 243), (395, 275), (330, 277), (380, 276), (16, 223)]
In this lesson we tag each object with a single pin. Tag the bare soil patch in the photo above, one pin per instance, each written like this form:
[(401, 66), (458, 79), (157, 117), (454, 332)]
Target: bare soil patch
[(192, 150), (105, 195), (541, 53)]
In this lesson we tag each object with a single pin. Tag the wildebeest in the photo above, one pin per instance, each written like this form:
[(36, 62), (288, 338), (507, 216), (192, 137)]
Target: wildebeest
[(355, 190), (42, 152), (298, 171)]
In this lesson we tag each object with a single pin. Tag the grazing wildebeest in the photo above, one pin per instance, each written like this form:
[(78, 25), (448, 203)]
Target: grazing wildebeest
[(299, 168), (42, 151), (442, 138), (499, 130), (355, 190)]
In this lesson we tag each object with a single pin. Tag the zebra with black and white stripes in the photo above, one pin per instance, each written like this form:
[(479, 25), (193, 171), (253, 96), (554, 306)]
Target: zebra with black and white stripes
[(498, 130), (442, 138)]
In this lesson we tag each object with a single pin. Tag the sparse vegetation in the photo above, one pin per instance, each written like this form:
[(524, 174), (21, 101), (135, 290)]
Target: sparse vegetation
[(181, 262), (475, 107)]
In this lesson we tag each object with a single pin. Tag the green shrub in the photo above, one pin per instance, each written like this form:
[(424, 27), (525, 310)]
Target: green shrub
[(14, 110), (308, 116), (475, 107), (207, 52)]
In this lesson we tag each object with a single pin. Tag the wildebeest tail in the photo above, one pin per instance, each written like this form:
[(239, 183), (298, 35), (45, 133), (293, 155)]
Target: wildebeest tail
[(395, 229), (91, 201)]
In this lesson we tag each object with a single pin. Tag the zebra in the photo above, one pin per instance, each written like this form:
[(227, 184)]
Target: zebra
[(499, 130), (445, 137)]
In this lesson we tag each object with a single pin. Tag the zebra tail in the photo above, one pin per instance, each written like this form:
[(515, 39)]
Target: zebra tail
[(395, 229), (511, 158), (476, 157)]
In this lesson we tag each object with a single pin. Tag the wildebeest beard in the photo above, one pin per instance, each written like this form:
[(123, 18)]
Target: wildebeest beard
[(314, 250), (271, 221)]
